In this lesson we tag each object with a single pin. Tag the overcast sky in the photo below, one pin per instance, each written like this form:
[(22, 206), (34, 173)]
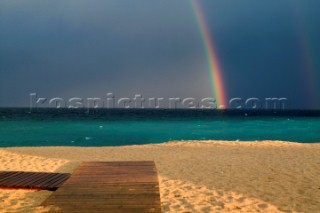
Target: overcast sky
[(79, 48)]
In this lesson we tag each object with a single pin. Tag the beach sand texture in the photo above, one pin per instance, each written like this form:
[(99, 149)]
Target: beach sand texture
[(195, 176)]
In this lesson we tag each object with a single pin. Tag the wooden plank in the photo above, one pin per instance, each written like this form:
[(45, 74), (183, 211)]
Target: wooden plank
[(42, 181), (9, 176), (53, 181), (108, 187), (109, 209), (24, 179), (32, 180), (118, 163)]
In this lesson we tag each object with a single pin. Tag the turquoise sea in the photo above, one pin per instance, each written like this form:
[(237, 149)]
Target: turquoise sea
[(115, 127)]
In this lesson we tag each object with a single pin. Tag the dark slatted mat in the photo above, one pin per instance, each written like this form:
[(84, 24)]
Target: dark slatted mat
[(108, 187), (32, 180)]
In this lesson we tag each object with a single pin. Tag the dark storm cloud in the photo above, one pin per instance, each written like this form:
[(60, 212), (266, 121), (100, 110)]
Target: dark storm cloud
[(91, 48), (260, 47), (88, 48)]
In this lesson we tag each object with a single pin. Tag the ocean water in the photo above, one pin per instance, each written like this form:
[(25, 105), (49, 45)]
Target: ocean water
[(115, 127)]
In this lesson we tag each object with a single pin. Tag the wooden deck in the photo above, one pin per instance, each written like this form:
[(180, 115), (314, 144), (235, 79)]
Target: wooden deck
[(32, 180), (108, 187)]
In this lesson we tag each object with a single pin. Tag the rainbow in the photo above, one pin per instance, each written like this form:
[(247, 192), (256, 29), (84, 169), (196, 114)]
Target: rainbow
[(215, 72), (307, 55)]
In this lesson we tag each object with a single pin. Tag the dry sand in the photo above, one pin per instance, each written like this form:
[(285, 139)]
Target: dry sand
[(195, 176)]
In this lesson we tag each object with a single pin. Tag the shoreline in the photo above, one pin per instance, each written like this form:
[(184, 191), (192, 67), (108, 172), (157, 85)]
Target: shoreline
[(194, 176), (170, 142)]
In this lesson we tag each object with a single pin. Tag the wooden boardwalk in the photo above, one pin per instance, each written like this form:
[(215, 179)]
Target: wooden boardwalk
[(32, 180), (108, 187)]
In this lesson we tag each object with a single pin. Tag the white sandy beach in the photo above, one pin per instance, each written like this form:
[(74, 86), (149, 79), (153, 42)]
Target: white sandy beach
[(195, 176)]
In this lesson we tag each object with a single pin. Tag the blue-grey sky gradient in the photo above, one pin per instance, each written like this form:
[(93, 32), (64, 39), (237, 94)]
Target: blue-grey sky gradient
[(82, 48)]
